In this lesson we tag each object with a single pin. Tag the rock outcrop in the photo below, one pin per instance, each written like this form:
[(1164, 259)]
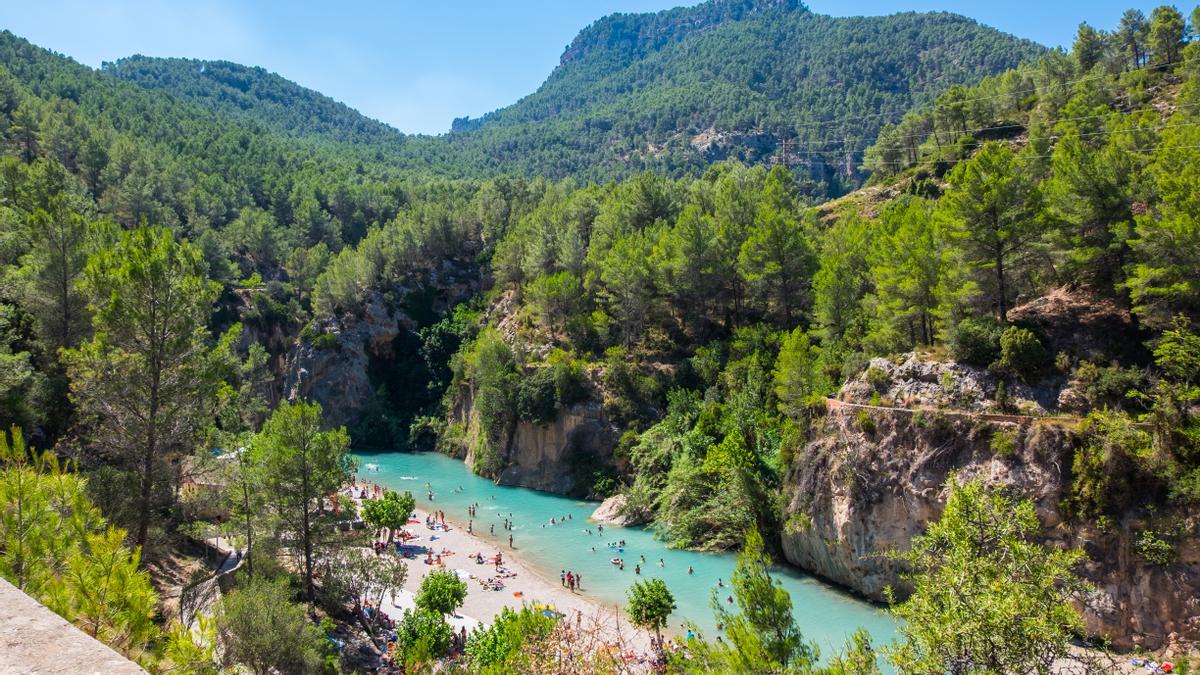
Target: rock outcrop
[(558, 457), (335, 374), (336, 371), (615, 511), (874, 478)]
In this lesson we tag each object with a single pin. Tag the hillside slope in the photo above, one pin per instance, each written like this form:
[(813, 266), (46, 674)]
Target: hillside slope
[(671, 91), (734, 78), (254, 93)]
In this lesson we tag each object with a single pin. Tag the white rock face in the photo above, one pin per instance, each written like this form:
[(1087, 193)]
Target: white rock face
[(612, 512)]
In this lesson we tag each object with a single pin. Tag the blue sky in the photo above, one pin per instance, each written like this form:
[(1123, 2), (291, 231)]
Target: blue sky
[(418, 65)]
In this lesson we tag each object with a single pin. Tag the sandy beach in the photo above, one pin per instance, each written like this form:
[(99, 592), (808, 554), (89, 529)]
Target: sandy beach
[(527, 587)]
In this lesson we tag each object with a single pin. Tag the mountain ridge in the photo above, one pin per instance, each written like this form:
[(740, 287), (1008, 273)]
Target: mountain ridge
[(649, 91)]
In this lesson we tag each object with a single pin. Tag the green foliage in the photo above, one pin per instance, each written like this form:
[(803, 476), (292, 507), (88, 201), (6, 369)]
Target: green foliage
[(1110, 386), (631, 395), (498, 648), (422, 636), (537, 395), (1003, 444), (994, 204), (977, 341), (354, 576), (298, 465), (650, 605), (488, 364), (391, 512), (193, 652), (261, 627), (865, 422), (554, 299), (764, 632), (55, 547), (1020, 351), (441, 592), (1107, 474), (1157, 547), (630, 80), (144, 375), (797, 379), (986, 596), (325, 341)]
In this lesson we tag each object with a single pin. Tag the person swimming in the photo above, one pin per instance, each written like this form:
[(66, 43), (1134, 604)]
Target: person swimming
[(690, 570)]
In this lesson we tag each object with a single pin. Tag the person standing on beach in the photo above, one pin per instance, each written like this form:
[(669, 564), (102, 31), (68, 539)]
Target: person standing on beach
[(562, 577), (578, 580), (510, 541)]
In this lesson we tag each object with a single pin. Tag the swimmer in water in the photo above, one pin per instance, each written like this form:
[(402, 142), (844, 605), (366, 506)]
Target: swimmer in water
[(690, 570)]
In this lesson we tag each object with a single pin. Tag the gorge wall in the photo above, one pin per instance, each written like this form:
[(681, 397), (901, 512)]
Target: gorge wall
[(558, 457), (874, 478)]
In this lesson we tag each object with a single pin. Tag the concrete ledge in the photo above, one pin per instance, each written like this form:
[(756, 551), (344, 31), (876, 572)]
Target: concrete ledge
[(35, 640)]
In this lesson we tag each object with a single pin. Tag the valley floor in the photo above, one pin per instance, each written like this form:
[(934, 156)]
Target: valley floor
[(526, 587)]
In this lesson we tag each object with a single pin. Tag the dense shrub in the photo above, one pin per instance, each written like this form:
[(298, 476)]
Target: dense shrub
[(422, 636), (1105, 475), (1157, 548), (1003, 444), (976, 341), (497, 648), (1109, 385), (1020, 351), (537, 400), (325, 341)]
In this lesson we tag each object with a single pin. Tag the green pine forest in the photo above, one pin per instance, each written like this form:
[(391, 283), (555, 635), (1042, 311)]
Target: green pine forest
[(171, 229)]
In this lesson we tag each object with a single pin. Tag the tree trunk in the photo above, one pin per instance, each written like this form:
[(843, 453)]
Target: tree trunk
[(306, 524), (249, 529), (1001, 287), (143, 531)]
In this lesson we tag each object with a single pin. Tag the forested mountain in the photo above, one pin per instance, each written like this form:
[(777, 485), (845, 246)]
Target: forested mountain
[(735, 78), (671, 91), (255, 94), (1014, 293)]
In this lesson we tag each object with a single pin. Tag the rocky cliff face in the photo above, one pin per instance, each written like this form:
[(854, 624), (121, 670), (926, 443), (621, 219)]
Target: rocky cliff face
[(336, 375), (557, 457), (874, 478), (334, 369)]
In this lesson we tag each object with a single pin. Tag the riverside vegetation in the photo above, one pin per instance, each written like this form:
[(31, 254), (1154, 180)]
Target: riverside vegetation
[(163, 256)]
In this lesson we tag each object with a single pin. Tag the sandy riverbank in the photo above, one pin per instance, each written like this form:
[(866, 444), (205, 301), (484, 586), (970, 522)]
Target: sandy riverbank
[(527, 587)]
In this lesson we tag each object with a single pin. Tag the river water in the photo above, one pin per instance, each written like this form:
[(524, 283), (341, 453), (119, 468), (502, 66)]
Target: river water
[(826, 615)]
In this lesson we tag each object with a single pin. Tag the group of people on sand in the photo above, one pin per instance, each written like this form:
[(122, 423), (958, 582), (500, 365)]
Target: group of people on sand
[(571, 580)]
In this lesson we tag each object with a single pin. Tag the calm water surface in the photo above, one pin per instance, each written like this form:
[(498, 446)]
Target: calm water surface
[(825, 614)]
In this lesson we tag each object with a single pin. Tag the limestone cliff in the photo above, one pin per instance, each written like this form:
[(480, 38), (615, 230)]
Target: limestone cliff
[(873, 477), (339, 361), (557, 457), (334, 373)]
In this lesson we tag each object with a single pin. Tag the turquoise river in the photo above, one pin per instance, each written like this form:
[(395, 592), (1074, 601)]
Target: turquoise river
[(826, 615)]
